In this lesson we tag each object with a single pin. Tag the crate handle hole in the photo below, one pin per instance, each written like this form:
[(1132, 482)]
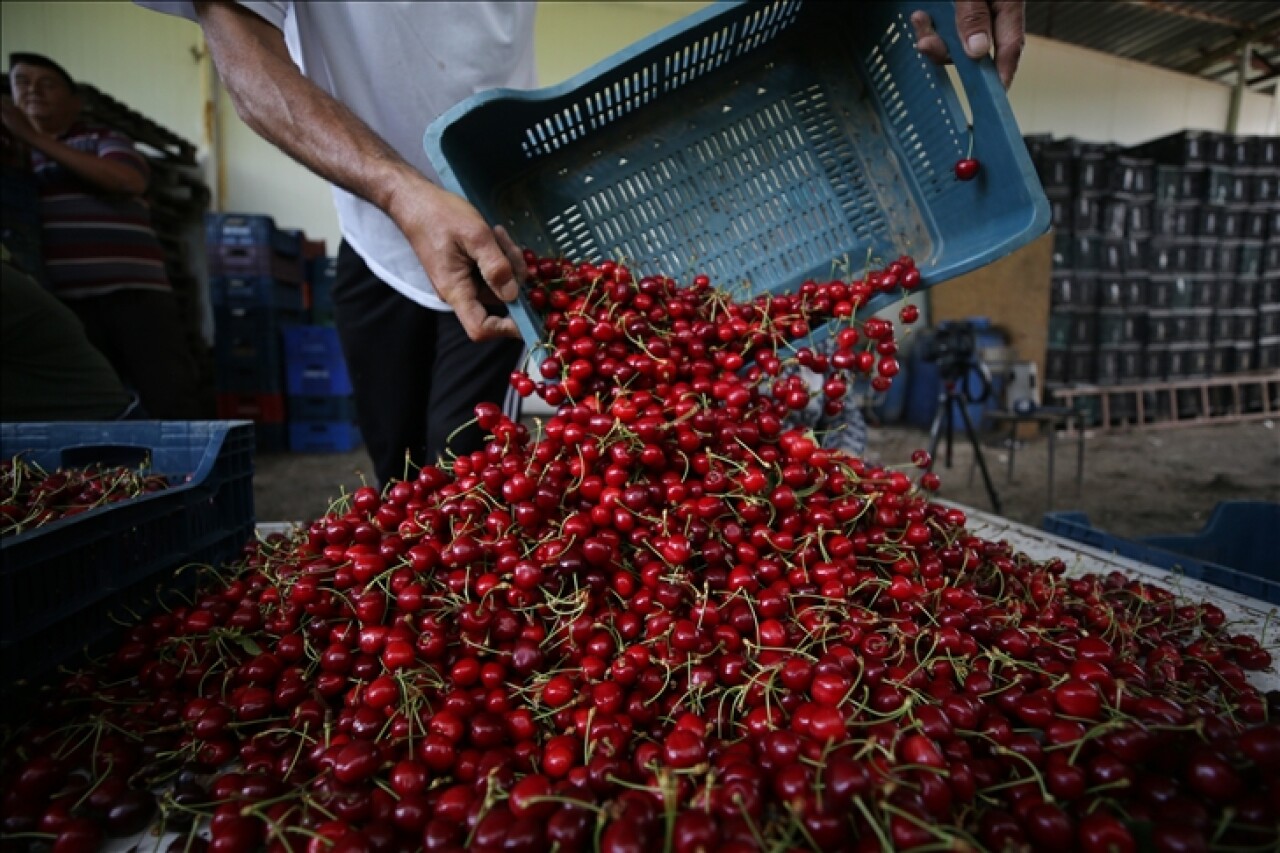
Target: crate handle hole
[(106, 455), (960, 101)]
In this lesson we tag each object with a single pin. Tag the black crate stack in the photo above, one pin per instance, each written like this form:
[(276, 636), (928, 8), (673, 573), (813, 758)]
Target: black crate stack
[(1166, 258), (256, 287), (1215, 210), (321, 273), (20, 221)]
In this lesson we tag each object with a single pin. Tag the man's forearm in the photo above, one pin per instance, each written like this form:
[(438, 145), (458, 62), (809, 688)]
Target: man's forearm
[(449, 237), (273, 97), (112, 177)]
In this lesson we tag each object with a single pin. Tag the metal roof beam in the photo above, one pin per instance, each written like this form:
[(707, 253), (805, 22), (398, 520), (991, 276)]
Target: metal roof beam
[(1188, 12), (1233, 47), (1264, 81)]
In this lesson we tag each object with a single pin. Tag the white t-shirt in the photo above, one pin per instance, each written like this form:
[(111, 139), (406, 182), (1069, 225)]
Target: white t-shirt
[(398, 65)]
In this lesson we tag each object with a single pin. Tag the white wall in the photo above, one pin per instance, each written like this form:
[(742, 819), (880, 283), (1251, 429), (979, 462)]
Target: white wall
[(151, 62)]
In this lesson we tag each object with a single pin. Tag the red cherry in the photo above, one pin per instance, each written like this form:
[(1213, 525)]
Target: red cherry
[(967, 169)]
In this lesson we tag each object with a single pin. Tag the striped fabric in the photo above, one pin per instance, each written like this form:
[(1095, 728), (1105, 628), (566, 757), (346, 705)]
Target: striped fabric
[(95, 243)]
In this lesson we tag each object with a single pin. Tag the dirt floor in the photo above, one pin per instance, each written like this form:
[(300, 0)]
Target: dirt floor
[(1133, 483)]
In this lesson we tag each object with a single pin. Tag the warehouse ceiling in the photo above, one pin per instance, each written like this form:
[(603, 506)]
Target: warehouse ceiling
[(1202, 38)]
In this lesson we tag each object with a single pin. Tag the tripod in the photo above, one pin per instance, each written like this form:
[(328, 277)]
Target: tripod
[(952, 394)]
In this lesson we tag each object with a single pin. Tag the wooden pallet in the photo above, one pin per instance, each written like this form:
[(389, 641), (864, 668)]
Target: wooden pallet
[(1180, 402)]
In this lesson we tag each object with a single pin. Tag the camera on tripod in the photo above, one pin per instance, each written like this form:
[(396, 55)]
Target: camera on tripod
[(954, 348)]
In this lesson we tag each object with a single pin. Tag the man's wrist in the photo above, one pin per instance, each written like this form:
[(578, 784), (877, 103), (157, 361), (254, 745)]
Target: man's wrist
[(404, 187)]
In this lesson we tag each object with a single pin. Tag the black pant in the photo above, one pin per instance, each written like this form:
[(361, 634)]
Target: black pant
[(417, 376), (141, 334)]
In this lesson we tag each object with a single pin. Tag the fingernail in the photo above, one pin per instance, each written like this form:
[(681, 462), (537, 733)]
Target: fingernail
[(978, 45)]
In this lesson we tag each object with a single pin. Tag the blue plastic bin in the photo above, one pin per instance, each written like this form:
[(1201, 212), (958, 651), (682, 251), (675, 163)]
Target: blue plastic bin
[(62, 585), (314, 364), (248, 348), (1237, 548), (254, 261), (322, 437), (756, 143), (256, 292), (323, 407), (250, 229)]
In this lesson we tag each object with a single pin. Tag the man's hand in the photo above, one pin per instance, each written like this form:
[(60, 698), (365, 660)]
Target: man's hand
[(981, 23), (16, 121), (470, 264)]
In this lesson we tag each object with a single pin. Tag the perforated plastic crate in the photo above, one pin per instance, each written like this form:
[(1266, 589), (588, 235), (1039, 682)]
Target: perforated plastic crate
[(248, 351), (1067, 288), (754, 143), (62, 584), (260, 408), (321, 274), (325, 407), (250, 229), (254, 260), (314, 365), (323, 437), (1234, 550), (251, 291)]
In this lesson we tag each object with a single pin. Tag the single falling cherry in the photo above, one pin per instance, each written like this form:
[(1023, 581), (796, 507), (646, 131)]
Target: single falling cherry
[(967, 169)]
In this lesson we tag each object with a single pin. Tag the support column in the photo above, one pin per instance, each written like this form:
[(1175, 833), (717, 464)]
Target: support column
[(1242, 86)]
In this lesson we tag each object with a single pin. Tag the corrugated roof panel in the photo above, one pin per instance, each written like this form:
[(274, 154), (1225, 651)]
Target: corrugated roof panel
[(1158, 32)]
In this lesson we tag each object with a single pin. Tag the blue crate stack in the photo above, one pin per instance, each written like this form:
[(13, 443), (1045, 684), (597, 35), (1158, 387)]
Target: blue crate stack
[(256, 286), (321, 408), (1166, 260)]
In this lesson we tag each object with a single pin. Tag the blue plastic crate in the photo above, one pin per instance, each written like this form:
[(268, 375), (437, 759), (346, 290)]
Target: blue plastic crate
[(253, 260), (324, 407), (250, 229), (314, 365), (240, 377), (62, 584), (754, 142), (321, 437), (256, 291), (248, 349), (1235, 550)]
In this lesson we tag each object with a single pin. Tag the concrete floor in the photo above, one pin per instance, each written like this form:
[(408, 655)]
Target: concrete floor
[(1133, 484)]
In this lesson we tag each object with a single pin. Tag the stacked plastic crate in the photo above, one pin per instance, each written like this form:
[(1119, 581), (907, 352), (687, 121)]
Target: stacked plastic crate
[(322, 413), (256, 289), (1215, 218), (1125, 213), (1076, 180), (1165, 259), (321, 273), (20, 220), (1269, 293)]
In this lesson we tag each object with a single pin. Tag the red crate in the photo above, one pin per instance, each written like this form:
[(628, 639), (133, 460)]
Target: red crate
[(260, 408)]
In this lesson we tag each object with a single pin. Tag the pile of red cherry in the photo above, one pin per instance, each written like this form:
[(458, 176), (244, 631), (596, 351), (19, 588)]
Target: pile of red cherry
[(31, 497), (664, 622)]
